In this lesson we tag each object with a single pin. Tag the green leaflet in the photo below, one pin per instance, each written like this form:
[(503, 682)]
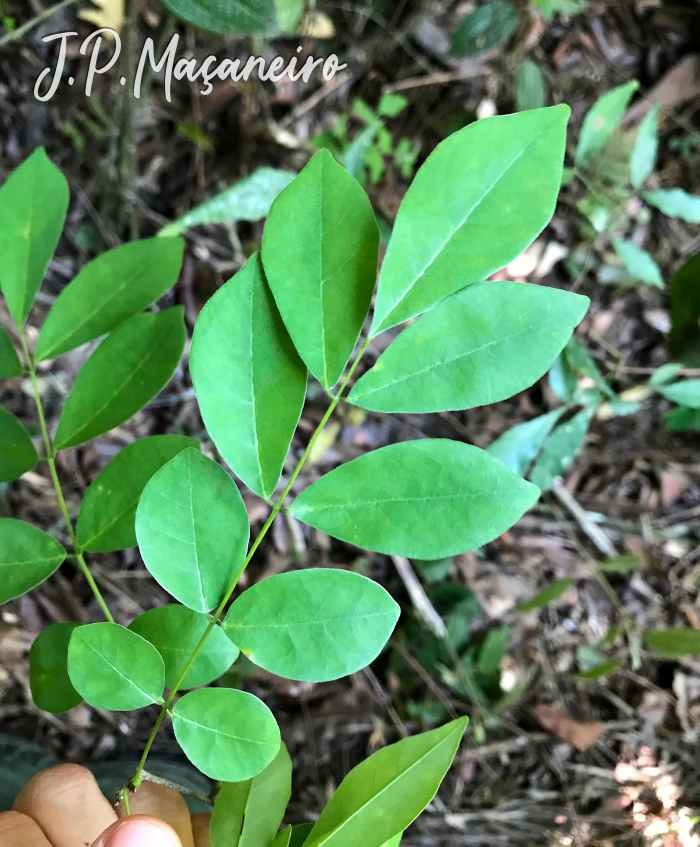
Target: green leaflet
[(240, 16), (645, 148), (129, 368), (476, 203), (638, 262), (529, 90), (33, 205), (247, 200), (113, 668), (684, 340), (519, 445), (319, 251), (381, 796), (317, 624), (299, 834), (108, 511), (249, 379), (561, 448), (420, 499), (17, 453), (192, 529), (673, 642), (175, 632), (468, 351), (676, 203), (51, 687), (229, 735), (10, 364), (283, 838), (685, 393), (267, 802), (28, 556), (227, 817), (113, 287), (486, 27), (602, 119), (552, 592)]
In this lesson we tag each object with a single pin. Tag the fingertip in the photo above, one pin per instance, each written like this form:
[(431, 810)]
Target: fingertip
[(138, 831)]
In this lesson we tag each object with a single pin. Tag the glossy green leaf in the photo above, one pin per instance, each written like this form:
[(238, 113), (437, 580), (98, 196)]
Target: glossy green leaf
[(561, 448), (175, 631), (299, 834), (244, 17), (17, 452), (676, 203), (229, 735), (113, 287), (552, 592), (267, 801), (477, 202), (108, 511), (227, 817), (685, 393), (247, 200), (638, 262), (602, 120), (684, 339), (518, 446), (468, 351), (129, 368), (529, 90), (249, 379), (192, 529), (382, 795), (319, 251), (113, 668), (645, 147), (33, 206), (28, 556), (10, 364), (420, 499), (316, 625), (673, 643), (487, 26), (51, 687)]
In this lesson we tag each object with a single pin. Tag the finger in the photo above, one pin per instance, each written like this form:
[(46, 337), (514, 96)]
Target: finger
[(138, 831), (200, 829), (67, 804), (18, 830), (166, 805)]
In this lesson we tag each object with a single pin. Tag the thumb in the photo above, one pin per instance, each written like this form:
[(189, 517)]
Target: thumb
[(138, 831)]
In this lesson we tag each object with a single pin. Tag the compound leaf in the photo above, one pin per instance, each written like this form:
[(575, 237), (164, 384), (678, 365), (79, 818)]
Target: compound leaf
[(561, 448), (476, 203), (316, 625), (382, 795), (175, 631), (17, 452), (519, 445), (129, 368), (113, 668), (229, 735), (192, 529), (28, 556), (468, 351), (33, 206), (420, 499), (645, 147), (676, 203), (10, 364), (108, 511), (113, 287), (249, 379), (602, 119), (319, 250), (51, 687)]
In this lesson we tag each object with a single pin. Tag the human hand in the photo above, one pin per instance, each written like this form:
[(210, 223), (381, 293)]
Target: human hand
[(64, 807)]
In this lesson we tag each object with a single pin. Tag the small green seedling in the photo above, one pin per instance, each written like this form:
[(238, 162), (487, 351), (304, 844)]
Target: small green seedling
[(297, 307)]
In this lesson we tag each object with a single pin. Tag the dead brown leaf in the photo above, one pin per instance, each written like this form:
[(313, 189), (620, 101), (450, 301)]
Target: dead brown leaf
[(677, 86), (581, 734)]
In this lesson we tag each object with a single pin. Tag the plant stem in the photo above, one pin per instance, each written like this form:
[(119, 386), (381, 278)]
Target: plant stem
[(137, 779), (51, 460), (47, 13)]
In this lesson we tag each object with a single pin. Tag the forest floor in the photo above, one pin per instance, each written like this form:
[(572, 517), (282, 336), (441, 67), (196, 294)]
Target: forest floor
[(612, 759)]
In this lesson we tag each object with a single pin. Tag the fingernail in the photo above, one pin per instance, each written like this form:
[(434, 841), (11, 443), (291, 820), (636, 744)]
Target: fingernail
[(141, 834)]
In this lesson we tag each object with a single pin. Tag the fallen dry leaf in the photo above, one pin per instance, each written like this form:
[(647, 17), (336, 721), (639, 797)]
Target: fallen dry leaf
[(581, 734), (677, 86)]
